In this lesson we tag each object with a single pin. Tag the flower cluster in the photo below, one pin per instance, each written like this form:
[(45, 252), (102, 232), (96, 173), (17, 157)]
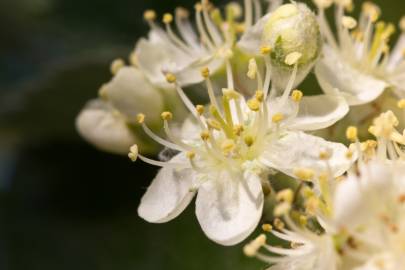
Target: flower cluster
[(235, 152)]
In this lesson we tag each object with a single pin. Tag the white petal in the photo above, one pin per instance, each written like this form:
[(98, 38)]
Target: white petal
[(348, 203), (169, 194), (317, 112), (131, 93), (229, 207), (107, 131), (300, 150), (251, 40), (158, 54), (357, 87)]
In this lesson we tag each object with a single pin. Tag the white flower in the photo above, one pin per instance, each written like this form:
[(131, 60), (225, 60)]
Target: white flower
[(306, 250), (289, 28), (185, 53), (106, 122), (358, 60), (370, 206), (227, 150)]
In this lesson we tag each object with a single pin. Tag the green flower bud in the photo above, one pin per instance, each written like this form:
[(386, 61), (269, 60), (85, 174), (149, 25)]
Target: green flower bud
[(292, 28)]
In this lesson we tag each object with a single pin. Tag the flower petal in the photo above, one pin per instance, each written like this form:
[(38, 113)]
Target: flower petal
[(300, 150), (131, 93), (229, 207), (357, 87), (170, 192), (251, 40), (107, 131), (317, 112)]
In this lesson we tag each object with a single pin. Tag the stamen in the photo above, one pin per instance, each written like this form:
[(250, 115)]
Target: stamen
[(401, 104), (248, 13), (200, 26), (254, 104), (102, 92), (349, 22), (304, 174), (252, 248), (351, 133), (249, 140), (277, 118), (116, 65), (156, 138), (134, 155), (297, 95), (267, 227), (149, 15), (205, 72), (212, 30)]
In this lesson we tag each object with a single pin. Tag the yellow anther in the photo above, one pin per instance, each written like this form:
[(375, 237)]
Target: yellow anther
[(167, 18), (325, 155), (133, 59), (230, 93), (285, 195), (265, 50), (252, 69), (227, 146), (351, 133), (205, 72), (198, 7), (349, 22), (190, 155), (205, 135), (216, 17), (102, 92), (182, 12), (253, 104), (312, 205), (171, 78), (282, 209), (167, 116), (200, 109), (259, 95), (292, 58), (235, 8), (323, 3), (304, 174), (303, 220), (349, 154), (372, 10), (277, 118), (240, 28), (237, 129), (267, 227), (297, 95), (401, 104), (402, 24), (116, 65), (133, 152), (140, 118), (249, 140), (214, 124), (149, 15), (251, 249), (278, 224)]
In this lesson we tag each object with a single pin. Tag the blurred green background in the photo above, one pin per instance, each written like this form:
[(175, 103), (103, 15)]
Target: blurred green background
[(63, 204)]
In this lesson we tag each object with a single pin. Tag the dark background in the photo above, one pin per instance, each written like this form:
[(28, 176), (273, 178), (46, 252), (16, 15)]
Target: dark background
[(63, 204)]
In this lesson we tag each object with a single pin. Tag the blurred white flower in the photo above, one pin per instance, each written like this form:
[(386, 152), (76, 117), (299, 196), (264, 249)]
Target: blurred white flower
[(358, 61), (370, 207), (106, 122), (228, 148)]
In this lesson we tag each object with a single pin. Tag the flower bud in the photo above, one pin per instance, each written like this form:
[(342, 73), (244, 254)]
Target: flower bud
[(104, 127), (292, 28), (131, 93)]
